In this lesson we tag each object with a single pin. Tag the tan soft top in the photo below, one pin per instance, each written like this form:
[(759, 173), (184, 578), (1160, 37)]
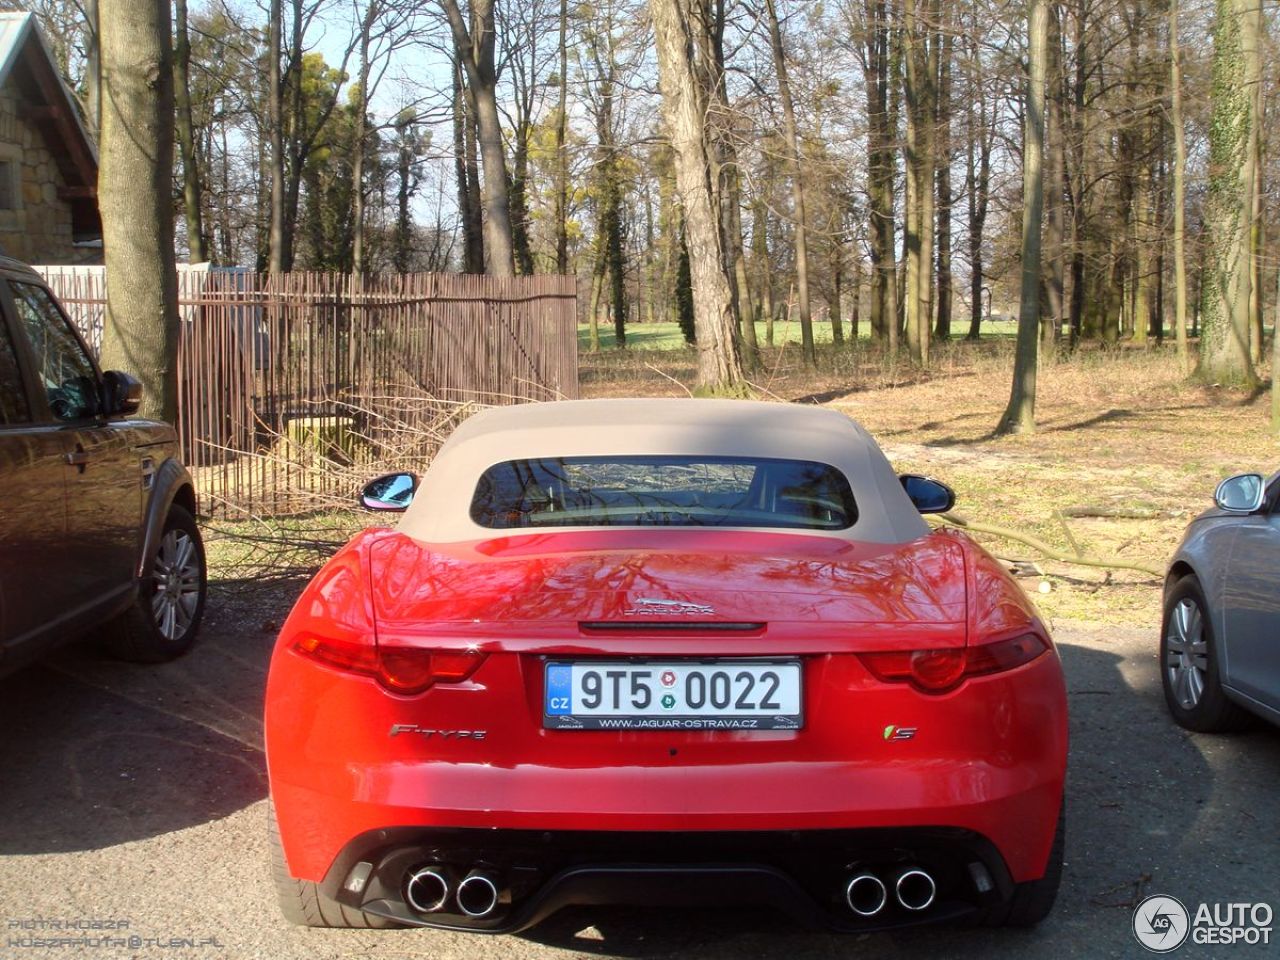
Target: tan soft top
[(441, 509)]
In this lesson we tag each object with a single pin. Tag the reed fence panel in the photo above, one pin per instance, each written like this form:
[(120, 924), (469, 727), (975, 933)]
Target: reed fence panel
[(293, 386)]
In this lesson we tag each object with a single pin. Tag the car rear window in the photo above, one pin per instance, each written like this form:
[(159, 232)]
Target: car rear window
[(664, 491)]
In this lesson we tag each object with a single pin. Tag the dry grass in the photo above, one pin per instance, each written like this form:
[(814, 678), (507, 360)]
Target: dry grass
[(1116, 429)]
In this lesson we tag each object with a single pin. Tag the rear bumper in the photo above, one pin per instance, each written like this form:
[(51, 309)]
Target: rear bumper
[(989, 758), (985, 772), (802, 874)]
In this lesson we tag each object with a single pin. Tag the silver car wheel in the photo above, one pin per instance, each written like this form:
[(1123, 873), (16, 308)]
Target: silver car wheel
[(176, 574), (1187, 657)]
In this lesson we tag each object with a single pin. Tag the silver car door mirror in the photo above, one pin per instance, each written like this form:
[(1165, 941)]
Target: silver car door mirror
[(1242, 493)]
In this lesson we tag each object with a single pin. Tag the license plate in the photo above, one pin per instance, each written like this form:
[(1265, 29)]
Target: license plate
[(673, 695)]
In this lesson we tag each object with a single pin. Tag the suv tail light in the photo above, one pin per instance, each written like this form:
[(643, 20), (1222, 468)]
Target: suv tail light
[(403, 670), (937, 671)]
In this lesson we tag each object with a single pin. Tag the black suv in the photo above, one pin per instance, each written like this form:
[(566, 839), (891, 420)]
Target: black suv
[(97, 512)]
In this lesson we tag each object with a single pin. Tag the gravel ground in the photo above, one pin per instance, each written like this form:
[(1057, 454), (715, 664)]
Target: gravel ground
[(138, 794)]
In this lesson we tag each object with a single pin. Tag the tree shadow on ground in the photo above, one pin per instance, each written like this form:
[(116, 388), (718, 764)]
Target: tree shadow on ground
[(96, 752)]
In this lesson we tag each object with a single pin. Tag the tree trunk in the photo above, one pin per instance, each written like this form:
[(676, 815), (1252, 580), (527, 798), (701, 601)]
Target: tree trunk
[(837, 279), (920, 58), (738, 256), (855, 300), (135, 181), (760, 264), (519, 192), (1257, 231), (593, 303), (978, 190), (617, 265), (942, 323), (475, 49), (1055, 171), (1224, 337), (562, 154), (297, 149), (684, 104), (807, 353), (197, 243), (467, 172), (275, 121), (880, 171), (1275, 365), (360, 147), (92, 70), (1020, 414), (405, 186)]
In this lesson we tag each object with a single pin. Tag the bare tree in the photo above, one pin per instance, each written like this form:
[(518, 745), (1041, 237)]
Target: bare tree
[(475, 43), (135, 186), (562, 154), (1179, 190), (1224, 342), (280, 257), (1020, 414), (797, 183), (192, 205), (385, 26), (684, 101)]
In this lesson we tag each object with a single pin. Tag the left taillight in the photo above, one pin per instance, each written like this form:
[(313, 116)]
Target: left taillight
[(938, 671), (403, 670)]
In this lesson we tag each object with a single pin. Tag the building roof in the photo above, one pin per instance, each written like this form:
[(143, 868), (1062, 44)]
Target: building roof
[(441, 512), (44, 101)]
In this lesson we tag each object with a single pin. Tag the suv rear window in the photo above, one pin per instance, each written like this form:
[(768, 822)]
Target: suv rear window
[(664, 491)]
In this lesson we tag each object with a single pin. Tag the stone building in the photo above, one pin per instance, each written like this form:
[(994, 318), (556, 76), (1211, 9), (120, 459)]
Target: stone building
[(48, 160)]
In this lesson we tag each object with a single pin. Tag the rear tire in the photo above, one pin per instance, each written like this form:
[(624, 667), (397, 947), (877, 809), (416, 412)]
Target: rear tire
[(1032, 900), (302, 902), (164, 619)]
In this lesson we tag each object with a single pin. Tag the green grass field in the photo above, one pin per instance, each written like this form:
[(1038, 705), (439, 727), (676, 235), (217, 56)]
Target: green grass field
[(667, 336)]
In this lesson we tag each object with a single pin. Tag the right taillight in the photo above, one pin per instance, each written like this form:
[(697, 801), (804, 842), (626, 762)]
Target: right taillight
[(937, 671), (1003, 654)]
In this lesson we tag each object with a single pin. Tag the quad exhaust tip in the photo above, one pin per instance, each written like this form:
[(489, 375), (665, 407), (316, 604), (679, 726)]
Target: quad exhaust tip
[(478, 894), (866, 895), (915, 889), (427, 890)]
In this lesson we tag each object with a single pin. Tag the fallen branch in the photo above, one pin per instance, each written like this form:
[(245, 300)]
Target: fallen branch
[(1117, 513), (955, 520)]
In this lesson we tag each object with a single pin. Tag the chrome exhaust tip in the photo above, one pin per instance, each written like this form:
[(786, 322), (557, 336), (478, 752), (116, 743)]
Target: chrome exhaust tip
[(478, 894), (915, 889), (427, 890), (866, 895)]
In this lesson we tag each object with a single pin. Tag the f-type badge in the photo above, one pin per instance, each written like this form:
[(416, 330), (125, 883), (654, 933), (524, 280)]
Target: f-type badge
[(648, 607), (434, 733)]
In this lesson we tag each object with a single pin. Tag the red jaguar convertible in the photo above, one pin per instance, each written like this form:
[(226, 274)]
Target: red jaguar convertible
[(664, 652)]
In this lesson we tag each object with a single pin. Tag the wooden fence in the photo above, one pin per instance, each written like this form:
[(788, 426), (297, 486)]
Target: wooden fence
[(293, 387)]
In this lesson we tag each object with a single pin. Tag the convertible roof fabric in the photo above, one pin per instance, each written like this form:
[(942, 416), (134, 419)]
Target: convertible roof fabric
[(440, 512)]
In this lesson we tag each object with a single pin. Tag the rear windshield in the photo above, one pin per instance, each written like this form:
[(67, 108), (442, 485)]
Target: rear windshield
[(663, 491)]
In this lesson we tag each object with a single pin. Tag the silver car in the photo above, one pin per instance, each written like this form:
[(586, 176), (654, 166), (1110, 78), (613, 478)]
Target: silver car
[(1220, 642)]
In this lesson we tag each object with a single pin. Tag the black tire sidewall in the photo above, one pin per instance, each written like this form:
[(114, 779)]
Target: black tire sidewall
[(1207, 713), (177, 518)]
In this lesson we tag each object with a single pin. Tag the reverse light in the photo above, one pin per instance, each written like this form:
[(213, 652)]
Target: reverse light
[(937, 671), (403, 670)]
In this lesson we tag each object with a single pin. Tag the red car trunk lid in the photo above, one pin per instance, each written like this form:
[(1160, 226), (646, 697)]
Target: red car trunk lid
[(619, 586)]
